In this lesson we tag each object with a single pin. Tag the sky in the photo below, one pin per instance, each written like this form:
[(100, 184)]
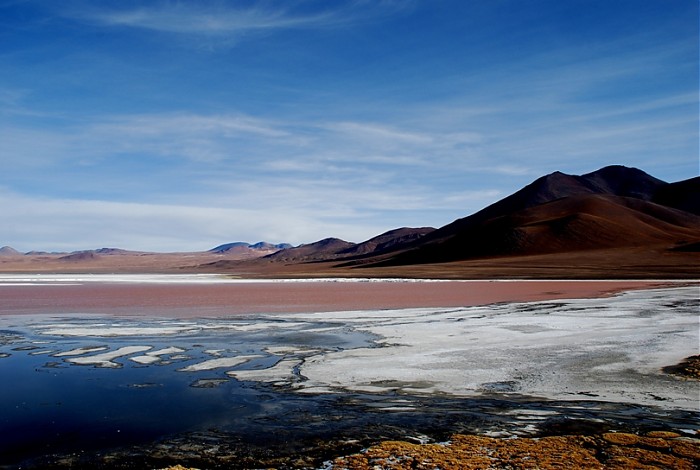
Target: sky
[(180, 125)]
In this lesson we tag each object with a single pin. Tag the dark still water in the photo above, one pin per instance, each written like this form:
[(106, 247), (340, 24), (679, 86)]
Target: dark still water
[(75, 389), (71, 407)]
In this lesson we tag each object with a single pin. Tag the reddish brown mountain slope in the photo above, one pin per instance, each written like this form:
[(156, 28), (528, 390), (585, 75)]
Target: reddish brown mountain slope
[(568, 224), (612, 180), (389, 241), (612, 207), (333, 248)]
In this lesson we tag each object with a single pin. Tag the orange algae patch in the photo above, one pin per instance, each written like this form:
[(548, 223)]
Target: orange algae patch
[(624, 458), (621, 438), (686, 448), (663, 434), (474, 452), (609, 451)]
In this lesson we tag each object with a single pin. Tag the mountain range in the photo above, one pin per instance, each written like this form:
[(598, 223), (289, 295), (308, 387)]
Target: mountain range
[(608, 219), (614, 207)]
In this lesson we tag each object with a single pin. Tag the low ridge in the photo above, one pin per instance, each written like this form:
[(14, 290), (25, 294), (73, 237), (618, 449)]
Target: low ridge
[(328, 248)]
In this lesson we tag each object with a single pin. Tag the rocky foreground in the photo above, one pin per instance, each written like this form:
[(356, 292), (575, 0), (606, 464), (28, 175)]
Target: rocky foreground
[(656, 450), (615, 450)]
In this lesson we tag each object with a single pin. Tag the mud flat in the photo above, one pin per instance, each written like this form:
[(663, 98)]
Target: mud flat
[(190, 296)]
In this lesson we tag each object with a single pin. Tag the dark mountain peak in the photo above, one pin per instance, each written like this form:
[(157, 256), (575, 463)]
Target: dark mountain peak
[(544, 189), (327, 242), (616, 180), (550, 187), (623, 181), (619, 172)]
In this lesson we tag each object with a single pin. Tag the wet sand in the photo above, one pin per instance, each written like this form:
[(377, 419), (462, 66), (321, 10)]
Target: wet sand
[(190, 300)]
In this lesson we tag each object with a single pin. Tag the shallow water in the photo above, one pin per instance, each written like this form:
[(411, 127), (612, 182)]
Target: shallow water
[(87, 391), (62, 396)]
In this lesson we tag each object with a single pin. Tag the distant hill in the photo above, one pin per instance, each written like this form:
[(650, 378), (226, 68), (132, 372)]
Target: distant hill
[(80, 256), (247, 250), (334, 248), (328, 248), (229, 246), (112, 251), (92, 255), (9, 251), (389, 241), (270, 246)]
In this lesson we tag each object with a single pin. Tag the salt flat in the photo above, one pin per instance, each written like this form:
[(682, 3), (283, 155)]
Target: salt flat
[(611, 349), (197, 296)]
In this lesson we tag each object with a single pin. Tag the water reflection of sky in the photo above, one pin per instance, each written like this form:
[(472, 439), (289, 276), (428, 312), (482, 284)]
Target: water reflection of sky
[(62, 395)]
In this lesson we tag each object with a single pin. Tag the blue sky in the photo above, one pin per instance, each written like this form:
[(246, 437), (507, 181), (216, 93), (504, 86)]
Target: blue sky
[(178, 125)]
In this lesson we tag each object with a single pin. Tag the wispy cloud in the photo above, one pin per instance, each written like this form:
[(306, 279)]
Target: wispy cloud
[(297, 214), (191, 18), (232, 22), (376, 133), (226, 177), (206, 138), (226, 139), (165, 124)]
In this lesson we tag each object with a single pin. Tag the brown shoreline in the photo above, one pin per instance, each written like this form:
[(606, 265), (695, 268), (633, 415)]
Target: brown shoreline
[(207, 300)]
